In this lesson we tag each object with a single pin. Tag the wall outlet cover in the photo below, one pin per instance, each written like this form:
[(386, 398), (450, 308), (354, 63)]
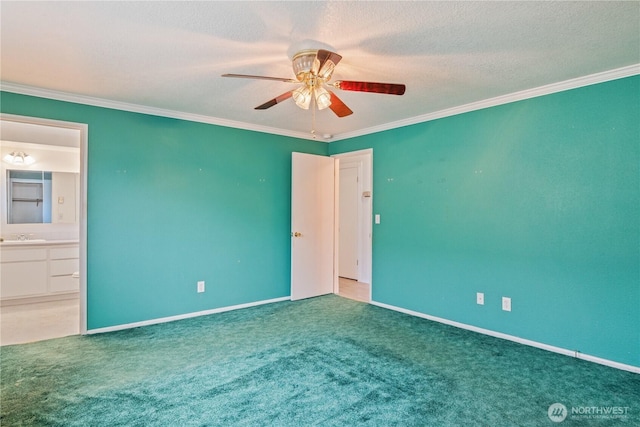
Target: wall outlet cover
[(480, 298), (201, 286), (506, 303)]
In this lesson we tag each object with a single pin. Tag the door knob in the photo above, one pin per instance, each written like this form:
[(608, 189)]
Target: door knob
[(296, 234)]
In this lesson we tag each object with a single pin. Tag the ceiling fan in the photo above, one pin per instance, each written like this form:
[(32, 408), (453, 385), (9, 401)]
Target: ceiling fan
[(313, 70)]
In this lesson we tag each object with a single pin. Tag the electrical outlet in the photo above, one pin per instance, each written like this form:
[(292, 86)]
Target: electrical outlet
[(480, 298), (506, 303), (201, 286)]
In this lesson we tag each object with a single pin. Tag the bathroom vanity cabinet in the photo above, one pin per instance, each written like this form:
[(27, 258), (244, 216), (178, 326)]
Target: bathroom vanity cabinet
[(46, 270)]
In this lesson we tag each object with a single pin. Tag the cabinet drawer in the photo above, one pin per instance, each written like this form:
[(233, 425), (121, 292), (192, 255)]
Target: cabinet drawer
[(63, 284), (17, 255), (63, 267), (64, 253), (22, 279)]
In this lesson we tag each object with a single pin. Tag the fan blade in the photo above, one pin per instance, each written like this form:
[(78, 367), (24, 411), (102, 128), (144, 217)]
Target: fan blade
[(339, 107), (274, 101), (248, 76), (387, 88), (325, 62)]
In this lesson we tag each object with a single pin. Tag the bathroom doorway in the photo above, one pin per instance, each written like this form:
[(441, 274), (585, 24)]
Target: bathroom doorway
[(58, 151)]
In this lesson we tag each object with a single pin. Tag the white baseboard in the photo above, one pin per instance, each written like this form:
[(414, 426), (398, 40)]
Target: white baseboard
[(564, 351), (184, 316), (37, 300)]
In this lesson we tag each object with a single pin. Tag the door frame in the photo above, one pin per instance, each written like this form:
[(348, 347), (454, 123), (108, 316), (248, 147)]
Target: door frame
[(83, 128), (365, 268)]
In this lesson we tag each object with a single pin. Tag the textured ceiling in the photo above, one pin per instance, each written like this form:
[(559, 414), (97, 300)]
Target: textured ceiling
[(170, 55)]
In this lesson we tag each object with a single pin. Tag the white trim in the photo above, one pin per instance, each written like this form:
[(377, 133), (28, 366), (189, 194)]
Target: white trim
[(37, 300), (362, 152), (364, 159), (618, 73), (549, 89), (84, 215), (554, 349), (143, 109), (336, 225), (184, 316)]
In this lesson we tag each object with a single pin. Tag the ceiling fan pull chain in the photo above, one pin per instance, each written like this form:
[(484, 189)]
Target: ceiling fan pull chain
[(313, 117)]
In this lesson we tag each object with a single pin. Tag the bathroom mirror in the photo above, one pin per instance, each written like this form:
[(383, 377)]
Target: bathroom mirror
[(42, 197)]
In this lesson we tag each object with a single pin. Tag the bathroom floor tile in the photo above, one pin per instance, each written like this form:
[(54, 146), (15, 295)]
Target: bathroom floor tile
[(40, 321)]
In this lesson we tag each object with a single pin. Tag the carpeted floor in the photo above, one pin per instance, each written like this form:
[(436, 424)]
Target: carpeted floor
[(325, 361)]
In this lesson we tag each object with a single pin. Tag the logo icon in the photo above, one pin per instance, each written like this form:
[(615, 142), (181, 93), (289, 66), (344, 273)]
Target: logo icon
[(557, 412)]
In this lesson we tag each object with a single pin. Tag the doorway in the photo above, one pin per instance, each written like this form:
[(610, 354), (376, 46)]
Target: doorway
[(62, 149), (355, 209)]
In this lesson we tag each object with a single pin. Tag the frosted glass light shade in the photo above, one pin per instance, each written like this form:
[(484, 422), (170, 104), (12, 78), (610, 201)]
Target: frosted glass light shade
[(302, 63), (302, 97), (19, 158), (323, 98)]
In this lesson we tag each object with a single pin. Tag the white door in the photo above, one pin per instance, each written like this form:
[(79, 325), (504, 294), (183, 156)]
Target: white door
[(312, 225), (348, 234)]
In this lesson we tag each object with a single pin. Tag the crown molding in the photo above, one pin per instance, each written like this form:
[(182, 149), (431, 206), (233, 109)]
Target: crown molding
[(143, 109), (592, 79)]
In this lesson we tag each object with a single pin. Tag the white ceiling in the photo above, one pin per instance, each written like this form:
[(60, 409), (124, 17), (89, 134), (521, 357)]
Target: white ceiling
[(169, 55)]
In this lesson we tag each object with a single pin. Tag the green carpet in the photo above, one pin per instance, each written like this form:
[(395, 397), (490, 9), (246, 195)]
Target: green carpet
[(325, 361)]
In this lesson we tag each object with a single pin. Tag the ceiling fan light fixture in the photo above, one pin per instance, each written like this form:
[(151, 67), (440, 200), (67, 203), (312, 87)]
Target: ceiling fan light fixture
[(302, 63), (302, 97), (313, 69), (19, 158), (323, 98), (327, 70)]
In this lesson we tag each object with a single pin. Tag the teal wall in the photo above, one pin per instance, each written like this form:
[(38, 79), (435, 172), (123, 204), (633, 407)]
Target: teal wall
[(171, 202), (538, 200)]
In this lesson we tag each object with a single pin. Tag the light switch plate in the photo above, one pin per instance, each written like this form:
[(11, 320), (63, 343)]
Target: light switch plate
[(377, 218)]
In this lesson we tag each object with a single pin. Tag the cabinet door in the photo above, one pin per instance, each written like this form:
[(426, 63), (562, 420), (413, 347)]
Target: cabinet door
[(23, 254), (22, 279), (64, 253), (64, 267), (61, 279), (63, 284)]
